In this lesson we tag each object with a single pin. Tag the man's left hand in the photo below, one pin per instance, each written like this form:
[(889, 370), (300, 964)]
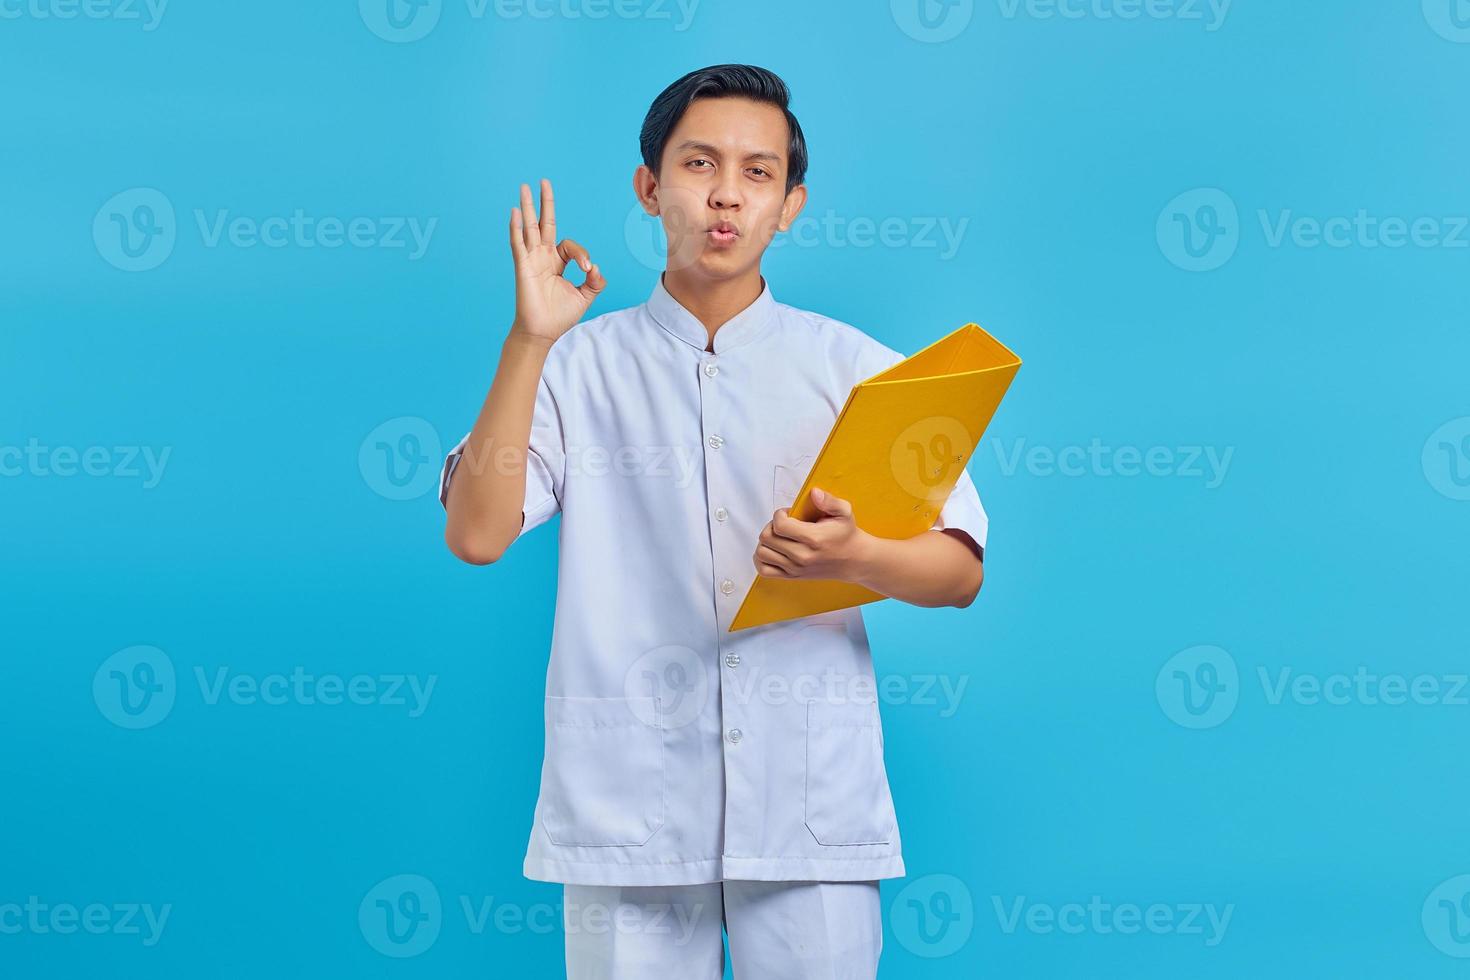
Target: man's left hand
[(831, 547)]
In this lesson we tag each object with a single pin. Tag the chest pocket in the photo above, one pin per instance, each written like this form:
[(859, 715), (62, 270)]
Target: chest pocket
[(787, 479)]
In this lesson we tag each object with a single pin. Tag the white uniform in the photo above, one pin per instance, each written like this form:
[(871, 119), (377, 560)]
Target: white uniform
[(678, 753), (779, 930)]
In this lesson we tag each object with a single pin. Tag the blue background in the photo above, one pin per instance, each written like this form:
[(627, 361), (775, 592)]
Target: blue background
[(1073, 766)]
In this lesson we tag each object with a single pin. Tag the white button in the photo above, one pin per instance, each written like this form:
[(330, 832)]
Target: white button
[(733, 735), (727, 586), (721, 514), (711, 369), (715, 442), (732, 659)]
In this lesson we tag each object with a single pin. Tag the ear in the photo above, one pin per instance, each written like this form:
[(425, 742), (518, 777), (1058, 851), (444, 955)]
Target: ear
[(645, 186), (792, 206)]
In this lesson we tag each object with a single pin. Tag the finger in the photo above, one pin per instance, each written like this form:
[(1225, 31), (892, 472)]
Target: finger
[(548, 213), (570, 251), (793, 552), (831, 504), (771, 571), (528, 218), (517, 240), (788, 527), (773, 559), (594, 285)]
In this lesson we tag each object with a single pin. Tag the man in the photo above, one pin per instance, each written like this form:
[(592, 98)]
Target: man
[(694, 777)]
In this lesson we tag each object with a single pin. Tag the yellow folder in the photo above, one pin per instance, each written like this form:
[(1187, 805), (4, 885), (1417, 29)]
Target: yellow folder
[(896, 451)]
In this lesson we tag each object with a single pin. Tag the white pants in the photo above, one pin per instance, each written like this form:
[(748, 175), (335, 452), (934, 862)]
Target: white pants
[(778, 930)]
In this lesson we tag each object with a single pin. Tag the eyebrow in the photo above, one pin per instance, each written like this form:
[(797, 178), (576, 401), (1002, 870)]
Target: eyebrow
[(714, 151)]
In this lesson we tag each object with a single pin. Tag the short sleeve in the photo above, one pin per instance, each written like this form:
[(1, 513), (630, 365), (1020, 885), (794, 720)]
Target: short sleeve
[(545, 463), (964, 512)]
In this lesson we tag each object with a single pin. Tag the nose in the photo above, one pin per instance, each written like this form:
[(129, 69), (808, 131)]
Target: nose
[(725, 194)]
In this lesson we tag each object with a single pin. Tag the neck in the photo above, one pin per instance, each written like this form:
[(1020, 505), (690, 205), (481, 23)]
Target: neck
[(714, 302)]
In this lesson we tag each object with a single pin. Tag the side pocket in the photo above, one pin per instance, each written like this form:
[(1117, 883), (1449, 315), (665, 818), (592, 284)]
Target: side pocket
[(847, 796), (602, 783)]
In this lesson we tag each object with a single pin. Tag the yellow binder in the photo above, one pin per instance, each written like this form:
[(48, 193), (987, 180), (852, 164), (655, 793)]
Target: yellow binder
[(896, 451)]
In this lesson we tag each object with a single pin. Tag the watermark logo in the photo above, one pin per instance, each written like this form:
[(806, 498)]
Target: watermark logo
[(1198, 687), (403, 21), (300, 230), (834, 230), (1449, 18), (1211, 13), (401, 916), (147, 12), (674, 239), (400, 459), (135, 230), (1209, 464), (675, 678), (928, 457), (933, 21), (1363, 687), (933, 916), (409, 691), (143, 463), (39, 918), (943, 692), (1199, 230), (644, 235), (1446, 459), (400, 21), (135, 688), (1101, 918), (1364, 230), (677, 923), (1446, 917)]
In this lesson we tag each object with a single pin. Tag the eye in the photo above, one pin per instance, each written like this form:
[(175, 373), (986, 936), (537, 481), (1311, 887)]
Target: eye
[(698, 160)]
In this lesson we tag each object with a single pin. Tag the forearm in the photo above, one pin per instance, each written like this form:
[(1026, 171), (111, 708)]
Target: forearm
[(488, 489), (930, 569)]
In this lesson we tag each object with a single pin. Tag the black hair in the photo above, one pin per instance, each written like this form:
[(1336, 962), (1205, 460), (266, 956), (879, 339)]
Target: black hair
[(721, 81)]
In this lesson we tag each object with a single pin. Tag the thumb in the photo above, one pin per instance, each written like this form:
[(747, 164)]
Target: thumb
[(831, 504), (593, 285)]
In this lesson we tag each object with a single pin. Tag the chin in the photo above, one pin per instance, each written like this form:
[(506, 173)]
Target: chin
[(722, 265)]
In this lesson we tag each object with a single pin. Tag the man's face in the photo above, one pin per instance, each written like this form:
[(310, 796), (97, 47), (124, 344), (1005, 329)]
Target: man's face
[(721, 189)]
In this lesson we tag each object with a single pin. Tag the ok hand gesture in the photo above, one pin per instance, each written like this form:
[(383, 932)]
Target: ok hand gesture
[(547, 305)]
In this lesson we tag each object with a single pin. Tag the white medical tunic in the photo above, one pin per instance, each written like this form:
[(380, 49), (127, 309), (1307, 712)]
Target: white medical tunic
[(677, 752)]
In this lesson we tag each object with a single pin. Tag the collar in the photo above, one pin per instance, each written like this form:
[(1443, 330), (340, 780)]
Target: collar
[(668, 313)]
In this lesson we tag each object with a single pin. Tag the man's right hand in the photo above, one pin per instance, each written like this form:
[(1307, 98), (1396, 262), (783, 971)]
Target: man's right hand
[(547, 305)]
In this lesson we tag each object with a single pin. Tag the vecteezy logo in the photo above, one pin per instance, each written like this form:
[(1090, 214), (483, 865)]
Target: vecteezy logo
[(400, 21), (927, 458), (1199, 687), (932, 21), (135, 230), (1199, 230), (400, 459), (644, 235), (1446, 459), (135, 688), (1446, 917), (933, 916), (1449, 18), (401, 916), (675, 678)]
